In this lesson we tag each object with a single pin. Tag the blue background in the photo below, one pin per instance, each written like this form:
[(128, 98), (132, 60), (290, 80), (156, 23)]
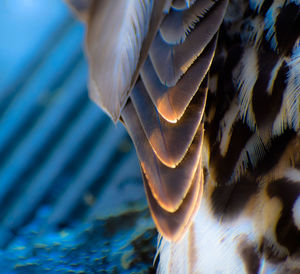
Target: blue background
[(71, 195)]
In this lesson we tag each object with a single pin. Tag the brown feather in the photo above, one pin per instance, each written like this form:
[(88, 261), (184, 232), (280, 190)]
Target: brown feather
[(119, 34), (173, 225), (171, 102), (171, 62), (168, 185), (177, 25), (169, 141)]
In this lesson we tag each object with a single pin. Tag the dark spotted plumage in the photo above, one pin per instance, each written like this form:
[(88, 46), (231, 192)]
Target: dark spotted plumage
[(210, 94)]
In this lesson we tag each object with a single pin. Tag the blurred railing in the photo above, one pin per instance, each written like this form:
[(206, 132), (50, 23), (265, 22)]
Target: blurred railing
[(59, 153)]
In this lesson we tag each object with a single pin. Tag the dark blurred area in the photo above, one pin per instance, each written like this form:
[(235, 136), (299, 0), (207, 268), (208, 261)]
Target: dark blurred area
[(71, 194)]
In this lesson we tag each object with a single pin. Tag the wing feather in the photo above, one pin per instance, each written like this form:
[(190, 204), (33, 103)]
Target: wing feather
[(169, 141), (178, 24), (169, 186), (173, 225), (171, 62), (119, 34), (172, 102)]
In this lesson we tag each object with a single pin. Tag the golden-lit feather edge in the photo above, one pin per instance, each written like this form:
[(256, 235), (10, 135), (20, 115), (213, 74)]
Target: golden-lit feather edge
[(174, 225), (166, 139), (169, 186)]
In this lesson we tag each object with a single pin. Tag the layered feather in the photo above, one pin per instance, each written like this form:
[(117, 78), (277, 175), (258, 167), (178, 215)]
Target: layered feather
[(168, 185), (164, 117), (170, 61), (166, 139), (149, 62)]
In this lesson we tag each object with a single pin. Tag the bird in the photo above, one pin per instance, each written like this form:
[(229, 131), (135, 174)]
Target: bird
[(209, 92)]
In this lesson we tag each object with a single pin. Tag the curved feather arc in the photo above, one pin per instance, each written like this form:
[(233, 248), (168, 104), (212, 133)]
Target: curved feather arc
[(173, 225), (169, 186), (170, 142), (171, 102), (177, 25), (171, 62)]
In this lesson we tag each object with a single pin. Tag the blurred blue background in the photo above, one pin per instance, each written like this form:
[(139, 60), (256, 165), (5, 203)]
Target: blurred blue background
[(71, 195)]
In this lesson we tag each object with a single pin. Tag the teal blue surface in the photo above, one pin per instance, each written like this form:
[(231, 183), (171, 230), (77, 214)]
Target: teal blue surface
[(71, 195)]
